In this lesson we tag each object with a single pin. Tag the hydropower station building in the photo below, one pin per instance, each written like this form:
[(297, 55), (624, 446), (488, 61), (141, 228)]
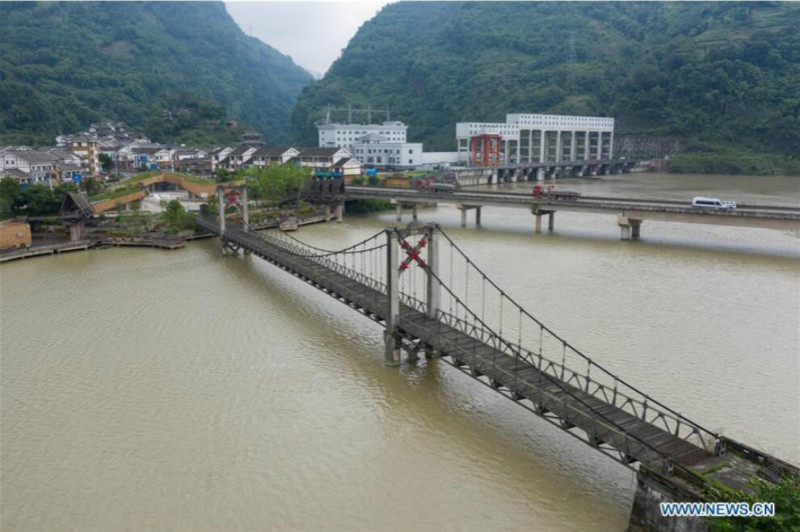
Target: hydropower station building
[(529, 138)]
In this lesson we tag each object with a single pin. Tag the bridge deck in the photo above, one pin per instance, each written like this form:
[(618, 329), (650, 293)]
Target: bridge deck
[(639, 440)]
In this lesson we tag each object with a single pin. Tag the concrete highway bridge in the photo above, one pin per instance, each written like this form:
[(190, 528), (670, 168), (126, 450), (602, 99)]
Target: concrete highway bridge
[(452, 311), (538, 171), (629, 213)]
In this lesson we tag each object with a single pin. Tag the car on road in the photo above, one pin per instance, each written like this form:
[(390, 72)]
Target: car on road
[(700, 202)]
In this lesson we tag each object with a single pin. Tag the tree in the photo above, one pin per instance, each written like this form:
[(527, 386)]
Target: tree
[(92, 187), (9, 190), (106, 162), (276, 182), (176, 218)]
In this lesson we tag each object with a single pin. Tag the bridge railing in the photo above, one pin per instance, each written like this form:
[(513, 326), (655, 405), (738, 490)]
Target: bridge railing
[(494, 313), (573, 409), (363, 262)]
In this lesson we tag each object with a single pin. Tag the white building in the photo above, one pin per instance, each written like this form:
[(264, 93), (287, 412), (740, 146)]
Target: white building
[(530, 138), (32, 166), (374, 149), (346, 135)]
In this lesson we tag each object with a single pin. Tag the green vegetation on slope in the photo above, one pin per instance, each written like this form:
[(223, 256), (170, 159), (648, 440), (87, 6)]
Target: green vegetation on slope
[(67, 64), (717, 77)]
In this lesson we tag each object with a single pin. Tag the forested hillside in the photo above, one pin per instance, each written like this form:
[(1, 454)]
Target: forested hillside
[(66, 64), (721, 78)]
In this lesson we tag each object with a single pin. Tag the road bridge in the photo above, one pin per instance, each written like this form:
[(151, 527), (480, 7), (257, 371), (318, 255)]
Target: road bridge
[(629, 212), (432, 298)]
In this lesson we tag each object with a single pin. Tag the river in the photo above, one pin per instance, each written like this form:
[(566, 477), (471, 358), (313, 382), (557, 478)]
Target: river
[(152, 390)]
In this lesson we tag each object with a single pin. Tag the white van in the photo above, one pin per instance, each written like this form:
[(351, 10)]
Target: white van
[(713, 203)]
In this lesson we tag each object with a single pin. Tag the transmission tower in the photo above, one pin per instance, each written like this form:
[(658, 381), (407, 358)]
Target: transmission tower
[(573, 56)]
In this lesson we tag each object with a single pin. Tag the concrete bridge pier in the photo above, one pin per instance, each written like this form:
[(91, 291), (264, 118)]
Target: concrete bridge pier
[(245, 211), (646, 516), (464, 208), (414, 212), (550, 221), (391, 338), (540, 174), (399, 211), (327, 213), (221, 206), (339, 212), (629, 228), (77, 231)]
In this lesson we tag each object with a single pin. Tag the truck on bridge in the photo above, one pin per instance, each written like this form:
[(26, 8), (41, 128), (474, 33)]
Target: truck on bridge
[(552, 193)]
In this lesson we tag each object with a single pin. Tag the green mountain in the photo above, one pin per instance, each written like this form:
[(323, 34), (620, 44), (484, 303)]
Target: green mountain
[(66, 64), (723, 79)]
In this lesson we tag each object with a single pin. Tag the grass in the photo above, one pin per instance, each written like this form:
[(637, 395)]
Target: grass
[(114, 193)]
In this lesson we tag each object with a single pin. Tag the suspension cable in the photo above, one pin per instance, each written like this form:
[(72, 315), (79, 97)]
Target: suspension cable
[(571, 347)]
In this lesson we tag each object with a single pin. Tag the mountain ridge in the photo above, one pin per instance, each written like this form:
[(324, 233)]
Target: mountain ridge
[(65, 65), (716, 77)]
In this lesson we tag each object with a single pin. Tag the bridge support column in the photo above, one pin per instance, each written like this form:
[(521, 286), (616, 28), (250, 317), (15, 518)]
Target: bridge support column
[(220, 195), (414, 212), (651, 490), (463, 217), (540, 174), (434, 290), (399, 211), (339, 212), (478, 216), (628, 227), (551, 221), (327, 213), (245, 211), (392, 344), (77, 231), (538, 225)]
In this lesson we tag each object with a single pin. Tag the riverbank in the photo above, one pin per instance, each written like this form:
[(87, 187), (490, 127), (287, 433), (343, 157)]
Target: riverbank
[(105, 239), (734, 163)]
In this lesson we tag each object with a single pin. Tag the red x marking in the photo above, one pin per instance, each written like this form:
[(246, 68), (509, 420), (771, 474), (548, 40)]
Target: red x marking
[(413, 253)]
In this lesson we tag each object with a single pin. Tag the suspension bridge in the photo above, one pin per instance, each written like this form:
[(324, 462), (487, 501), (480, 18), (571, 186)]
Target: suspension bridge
[(432, 299)]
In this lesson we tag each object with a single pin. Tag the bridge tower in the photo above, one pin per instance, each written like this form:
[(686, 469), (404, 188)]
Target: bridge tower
[(396, 240), (237, 193)]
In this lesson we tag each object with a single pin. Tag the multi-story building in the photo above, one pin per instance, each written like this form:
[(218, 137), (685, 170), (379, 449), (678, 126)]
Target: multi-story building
[(381, 145), (28, 166), (531, 138), (347, 135), (86, 148), (377, 150)]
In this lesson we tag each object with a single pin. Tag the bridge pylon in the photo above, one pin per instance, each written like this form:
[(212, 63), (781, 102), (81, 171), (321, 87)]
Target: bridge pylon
[(394, 342)]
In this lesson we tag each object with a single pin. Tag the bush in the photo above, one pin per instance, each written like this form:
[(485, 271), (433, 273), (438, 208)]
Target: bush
[(785, 495)]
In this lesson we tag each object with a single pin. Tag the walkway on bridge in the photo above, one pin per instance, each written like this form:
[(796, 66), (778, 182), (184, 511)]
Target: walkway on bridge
[(451, 309)]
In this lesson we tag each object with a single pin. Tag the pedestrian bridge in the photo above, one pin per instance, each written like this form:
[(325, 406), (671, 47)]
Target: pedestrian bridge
[(433, 299)]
